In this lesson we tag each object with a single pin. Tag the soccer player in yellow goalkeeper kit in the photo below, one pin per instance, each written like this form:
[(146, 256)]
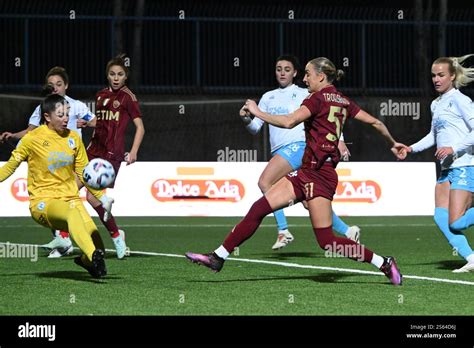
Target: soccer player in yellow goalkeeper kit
[(54, 153)]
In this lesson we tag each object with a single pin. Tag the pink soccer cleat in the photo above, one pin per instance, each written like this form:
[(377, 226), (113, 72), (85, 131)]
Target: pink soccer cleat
[(210, 260), (390, 269)]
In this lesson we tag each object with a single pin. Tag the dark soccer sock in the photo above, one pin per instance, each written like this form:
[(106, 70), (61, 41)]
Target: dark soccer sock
[(249, 224), (110, 224), (342, 246)]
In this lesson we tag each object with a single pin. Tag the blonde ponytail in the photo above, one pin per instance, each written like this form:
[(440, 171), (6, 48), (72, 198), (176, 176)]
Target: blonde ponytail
[(464, 75)]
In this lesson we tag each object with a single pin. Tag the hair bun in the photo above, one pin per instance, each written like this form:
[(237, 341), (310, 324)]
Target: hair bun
[(47, 90)]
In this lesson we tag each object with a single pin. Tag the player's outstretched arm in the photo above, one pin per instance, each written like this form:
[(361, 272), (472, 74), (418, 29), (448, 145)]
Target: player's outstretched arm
[(282, 121), (18, 155), (398, 149), (245, 116), (5, 136)]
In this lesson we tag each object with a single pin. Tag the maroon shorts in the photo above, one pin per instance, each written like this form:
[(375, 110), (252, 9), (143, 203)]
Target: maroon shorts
[(311, 183), (114, 163)]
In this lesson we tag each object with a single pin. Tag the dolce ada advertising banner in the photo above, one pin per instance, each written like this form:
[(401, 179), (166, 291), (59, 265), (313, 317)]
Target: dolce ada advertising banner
[(230, 188)]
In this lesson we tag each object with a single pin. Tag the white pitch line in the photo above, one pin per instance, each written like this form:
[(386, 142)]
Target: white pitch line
[(291, 265), (226, 225), (296, 265)]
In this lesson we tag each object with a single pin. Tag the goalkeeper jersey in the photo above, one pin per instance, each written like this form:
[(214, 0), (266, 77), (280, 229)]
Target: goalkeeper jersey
[(52, 161)]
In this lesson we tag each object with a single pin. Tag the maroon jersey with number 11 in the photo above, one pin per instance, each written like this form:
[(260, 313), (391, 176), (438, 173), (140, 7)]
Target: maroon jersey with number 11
[(329, 110), (114, 110)]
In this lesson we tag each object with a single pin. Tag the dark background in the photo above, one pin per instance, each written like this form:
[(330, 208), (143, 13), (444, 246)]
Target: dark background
[(193, 63)]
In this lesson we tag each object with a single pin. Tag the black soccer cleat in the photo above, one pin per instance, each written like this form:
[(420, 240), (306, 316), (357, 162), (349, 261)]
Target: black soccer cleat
[(97, 269)]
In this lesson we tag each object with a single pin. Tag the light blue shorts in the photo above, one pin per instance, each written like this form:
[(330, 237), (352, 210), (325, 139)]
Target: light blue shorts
[(293, 153), (461, 178)]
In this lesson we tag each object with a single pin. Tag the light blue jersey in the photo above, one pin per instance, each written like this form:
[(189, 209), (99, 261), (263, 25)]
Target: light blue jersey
[(78, 110), (281, 101), (451, 126)]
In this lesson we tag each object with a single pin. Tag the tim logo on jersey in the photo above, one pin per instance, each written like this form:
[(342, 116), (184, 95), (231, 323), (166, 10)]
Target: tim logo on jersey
[(107, 115)]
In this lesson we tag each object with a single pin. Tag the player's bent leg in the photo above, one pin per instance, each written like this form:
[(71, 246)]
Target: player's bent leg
[(460, 216), (464, 222), (320, 212), (338, 225), (280, 195), (277, 168), (457, 240), (118, 236), (67, 216)]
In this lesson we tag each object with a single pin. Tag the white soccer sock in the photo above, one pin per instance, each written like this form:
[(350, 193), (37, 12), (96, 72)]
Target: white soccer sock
[(222, 252), (470, 258), (377, 260)]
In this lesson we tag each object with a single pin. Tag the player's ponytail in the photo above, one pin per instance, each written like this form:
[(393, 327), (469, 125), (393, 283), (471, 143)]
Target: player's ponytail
[(324, 65), (464, 75), (119, 60), (47, 90)]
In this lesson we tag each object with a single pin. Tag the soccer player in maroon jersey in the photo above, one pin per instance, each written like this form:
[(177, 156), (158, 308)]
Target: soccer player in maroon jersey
[(323, 112), (116, 106)]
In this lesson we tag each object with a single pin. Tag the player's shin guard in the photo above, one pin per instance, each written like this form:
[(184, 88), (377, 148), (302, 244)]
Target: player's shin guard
[(457, 240), (338, 225), (341, 246), (464, 221), (110, 224), (249, 224)]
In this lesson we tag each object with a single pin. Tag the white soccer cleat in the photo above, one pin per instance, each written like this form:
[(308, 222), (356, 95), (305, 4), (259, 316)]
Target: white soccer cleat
[(58, 243), (120, 246), (353, 233), (284, 238), (468, 267), (107, 205), (60, 252)]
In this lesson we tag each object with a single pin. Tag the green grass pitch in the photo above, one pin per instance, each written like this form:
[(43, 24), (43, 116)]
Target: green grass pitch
[(163, 282)]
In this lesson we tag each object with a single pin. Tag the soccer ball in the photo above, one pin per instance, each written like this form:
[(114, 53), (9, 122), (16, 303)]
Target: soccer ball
[(99, 174)]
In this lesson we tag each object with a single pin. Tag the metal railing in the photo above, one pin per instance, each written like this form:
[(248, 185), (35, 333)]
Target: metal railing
[(225, 55)]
